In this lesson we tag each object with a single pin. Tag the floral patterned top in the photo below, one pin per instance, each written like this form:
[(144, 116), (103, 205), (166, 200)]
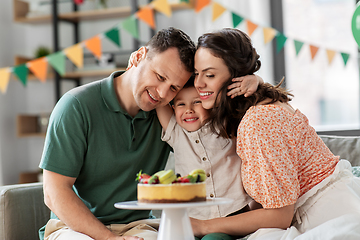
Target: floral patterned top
[(282, 156)]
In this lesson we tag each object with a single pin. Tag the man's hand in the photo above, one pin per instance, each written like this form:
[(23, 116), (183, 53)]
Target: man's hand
[(245, 85)]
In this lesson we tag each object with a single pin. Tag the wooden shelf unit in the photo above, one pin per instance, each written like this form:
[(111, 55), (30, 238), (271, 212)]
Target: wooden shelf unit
[(28, 126), (21, 9)]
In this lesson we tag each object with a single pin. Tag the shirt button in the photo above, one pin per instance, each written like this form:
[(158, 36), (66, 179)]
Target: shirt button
[(211, 195), (204, 158), (208, 175), (197, 141)]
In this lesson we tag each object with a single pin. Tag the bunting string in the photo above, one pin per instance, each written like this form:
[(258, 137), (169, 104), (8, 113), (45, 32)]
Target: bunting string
[(146, 14)]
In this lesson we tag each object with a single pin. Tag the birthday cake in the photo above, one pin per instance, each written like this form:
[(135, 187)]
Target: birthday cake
[(166, 187)]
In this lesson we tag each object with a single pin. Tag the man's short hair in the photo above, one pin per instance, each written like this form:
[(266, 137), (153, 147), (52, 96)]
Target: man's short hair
[(173, 37)]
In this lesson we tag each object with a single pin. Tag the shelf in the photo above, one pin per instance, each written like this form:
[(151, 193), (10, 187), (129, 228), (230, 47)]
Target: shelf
[(29, 126), (22, 8), (91, 73)]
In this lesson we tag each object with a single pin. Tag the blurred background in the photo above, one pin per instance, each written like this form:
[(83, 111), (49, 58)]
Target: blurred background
[(310, 42)]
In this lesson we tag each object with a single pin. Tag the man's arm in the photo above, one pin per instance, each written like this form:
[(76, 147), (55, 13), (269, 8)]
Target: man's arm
[(62, 200)]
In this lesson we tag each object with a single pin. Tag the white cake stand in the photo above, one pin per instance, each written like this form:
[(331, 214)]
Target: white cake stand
[(175, 222)]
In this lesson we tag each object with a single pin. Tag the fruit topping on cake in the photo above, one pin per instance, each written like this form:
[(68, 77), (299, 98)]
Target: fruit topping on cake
[(169, 177)]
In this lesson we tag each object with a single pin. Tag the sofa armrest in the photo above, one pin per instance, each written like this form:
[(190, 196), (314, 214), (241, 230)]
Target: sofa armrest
[(22, 211), (346, 147)]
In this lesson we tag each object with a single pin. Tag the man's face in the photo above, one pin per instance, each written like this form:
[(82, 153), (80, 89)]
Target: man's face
[(158, 79)]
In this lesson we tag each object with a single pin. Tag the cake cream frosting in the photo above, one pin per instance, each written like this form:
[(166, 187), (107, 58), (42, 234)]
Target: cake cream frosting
[(171, 193)]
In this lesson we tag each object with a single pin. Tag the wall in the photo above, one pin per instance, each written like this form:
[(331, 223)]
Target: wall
[(23, 154)]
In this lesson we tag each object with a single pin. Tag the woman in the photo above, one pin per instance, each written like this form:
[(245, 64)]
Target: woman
[(296, 182)]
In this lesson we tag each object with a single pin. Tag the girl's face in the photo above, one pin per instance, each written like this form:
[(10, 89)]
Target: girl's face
[(189, 112), (210, 75)]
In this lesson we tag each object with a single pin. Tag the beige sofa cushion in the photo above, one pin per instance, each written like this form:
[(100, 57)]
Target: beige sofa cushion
[(22, 211), (346, 147)]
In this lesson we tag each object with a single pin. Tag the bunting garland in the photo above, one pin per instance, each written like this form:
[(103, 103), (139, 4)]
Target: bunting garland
[(236, 19), (21, 72), (146, 14), (4, 79), (75, 53), (251, 27), (269, 34), (298, 46), (313, 51), (39, 68), (57, 61), (330, 54), (217, 10)]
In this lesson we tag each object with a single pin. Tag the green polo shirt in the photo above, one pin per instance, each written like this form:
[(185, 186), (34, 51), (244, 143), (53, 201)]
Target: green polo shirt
[(91, 138)]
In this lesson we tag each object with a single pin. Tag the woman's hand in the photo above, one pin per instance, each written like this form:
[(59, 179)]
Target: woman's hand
[(245, 85)]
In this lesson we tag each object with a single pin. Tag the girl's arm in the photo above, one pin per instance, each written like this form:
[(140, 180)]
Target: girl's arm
[(245, 85), (245, 223), (164, 114)]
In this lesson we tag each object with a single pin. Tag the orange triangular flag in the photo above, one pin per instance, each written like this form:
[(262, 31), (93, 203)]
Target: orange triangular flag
[(39, 68), (251, 27), (162, 6), (94, 46), (200, 4), (269, 34), (313, 51), (147, 15), (217, 11), (330, 55), (76, 54), (4, 79)]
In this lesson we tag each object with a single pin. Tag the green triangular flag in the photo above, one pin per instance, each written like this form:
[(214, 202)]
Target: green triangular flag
[(113, 35), (236, 19), (57, 61), (280, 41), (21, 71), (298, 46), (345, 57), (187, 1), (130, 25)]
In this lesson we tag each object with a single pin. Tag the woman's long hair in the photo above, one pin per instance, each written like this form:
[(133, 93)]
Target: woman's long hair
[(241, 58)]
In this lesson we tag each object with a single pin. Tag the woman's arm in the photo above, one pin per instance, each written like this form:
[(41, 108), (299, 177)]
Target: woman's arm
[(245, 223), (245, 85), (164, 114)]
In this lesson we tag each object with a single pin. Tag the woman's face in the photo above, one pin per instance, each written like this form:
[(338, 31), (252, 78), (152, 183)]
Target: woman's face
[(210, 75)]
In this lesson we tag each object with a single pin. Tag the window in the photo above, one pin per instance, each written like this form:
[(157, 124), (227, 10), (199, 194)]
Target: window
[(327, 93)]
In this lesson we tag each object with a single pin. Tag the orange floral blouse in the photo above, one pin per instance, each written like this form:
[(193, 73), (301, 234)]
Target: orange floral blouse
[(282, 156)]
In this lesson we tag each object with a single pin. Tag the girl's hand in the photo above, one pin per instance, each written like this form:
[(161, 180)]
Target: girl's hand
[(245, 85)]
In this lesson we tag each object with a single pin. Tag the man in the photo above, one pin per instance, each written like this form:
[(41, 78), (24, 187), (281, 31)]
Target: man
[(101, 134)]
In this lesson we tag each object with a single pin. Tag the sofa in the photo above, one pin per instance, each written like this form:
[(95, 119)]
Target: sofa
[(23, 212)]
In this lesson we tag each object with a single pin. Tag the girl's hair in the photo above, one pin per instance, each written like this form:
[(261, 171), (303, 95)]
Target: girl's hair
[(235, 49)]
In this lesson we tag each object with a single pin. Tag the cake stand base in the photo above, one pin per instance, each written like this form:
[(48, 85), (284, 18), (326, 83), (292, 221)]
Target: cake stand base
[(175, 225), (175, 222)]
